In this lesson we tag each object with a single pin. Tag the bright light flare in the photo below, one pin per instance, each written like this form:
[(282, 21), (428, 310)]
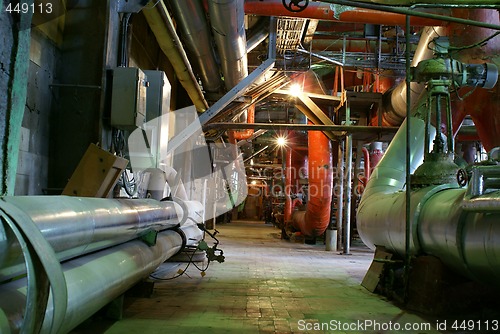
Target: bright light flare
[(295, 89), (281, 141)]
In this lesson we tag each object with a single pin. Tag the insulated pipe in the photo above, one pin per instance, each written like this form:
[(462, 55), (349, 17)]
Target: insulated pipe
[(258, 34), (314, 221), (380, 218), (195, 33), (162, 26), (395, 108), (97, 279), (330, 12), (74, 226), (466, 241), (227, 19)]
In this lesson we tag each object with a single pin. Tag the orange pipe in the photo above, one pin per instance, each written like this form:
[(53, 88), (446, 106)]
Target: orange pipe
[(324, 11), (316, 218), (314, 221), (245, 134)]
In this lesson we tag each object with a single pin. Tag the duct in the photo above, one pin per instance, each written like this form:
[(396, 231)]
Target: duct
[(95, 280), (75, 226), (162, 26), (331, 12), (395, 109), (190, 17)]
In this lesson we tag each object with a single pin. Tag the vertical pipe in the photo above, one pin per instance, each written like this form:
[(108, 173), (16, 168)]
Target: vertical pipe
[(348, 185), (348, 193), (408, 164), (340, 203), (288, 186), (366, 156)]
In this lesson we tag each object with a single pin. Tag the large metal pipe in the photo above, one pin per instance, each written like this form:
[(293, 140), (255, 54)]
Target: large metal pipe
[(442, 225), (227, 18), (195, 33), (330, 12), (395, 109), (74, 226), (314, 221), (162, 26), (95, 280), (380, 213)]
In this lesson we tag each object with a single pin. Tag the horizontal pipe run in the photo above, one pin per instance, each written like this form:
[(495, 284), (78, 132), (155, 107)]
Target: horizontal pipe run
[(467, 241), (308, 127), (96, 279), (74, 226), (324, 11)]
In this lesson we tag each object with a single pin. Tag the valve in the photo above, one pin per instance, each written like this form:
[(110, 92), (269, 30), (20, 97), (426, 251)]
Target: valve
[(295, 6)]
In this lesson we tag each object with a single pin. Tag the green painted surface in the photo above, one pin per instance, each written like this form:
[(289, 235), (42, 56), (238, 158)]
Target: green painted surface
[(16, 104)]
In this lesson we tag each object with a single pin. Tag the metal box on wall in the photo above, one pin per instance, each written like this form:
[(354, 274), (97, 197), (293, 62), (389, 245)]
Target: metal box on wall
[(128, 100), (158, 109), (147, 146)]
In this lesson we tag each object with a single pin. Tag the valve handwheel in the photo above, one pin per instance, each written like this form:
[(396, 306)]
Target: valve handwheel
[(462, 177), (295, 5)]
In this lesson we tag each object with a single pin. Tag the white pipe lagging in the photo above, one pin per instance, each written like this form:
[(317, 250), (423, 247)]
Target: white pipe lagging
[(466, 241), (94, 280)]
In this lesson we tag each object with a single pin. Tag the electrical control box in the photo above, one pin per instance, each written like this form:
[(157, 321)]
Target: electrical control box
[(128, 99), (147, 146)]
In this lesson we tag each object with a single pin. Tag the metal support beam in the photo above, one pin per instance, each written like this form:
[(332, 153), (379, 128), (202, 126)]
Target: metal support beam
[(337, 130), (236, 92)]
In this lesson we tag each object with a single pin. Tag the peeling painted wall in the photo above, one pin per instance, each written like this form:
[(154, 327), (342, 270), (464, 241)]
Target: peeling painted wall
[(32, 172)]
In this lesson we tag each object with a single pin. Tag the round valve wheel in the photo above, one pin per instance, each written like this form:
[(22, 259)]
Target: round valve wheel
[(462, 177), (295, 5)]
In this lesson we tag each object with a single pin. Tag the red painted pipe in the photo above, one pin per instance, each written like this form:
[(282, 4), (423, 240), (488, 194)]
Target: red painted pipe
[(325, 11), (245, 134), (314, 221)]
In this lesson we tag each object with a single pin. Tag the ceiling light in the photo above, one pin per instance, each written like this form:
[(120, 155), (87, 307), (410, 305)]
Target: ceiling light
[(295, 89), (281, 141)]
